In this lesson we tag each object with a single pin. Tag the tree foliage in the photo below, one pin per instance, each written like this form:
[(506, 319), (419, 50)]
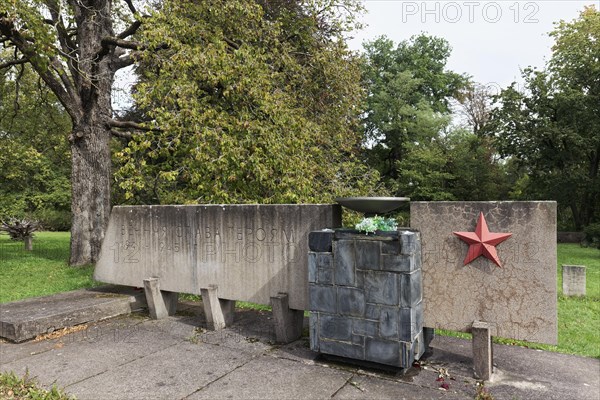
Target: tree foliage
[(256, 102), (409, 89), (458, 165), (34, 153), (552, 129), (76, 47)]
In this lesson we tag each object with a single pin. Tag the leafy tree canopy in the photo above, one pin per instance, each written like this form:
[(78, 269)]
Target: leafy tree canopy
[(552, 129), (34, 153), (409, 89), (255, 102)]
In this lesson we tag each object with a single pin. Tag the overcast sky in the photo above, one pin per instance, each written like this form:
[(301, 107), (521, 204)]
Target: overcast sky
[(491, 40)]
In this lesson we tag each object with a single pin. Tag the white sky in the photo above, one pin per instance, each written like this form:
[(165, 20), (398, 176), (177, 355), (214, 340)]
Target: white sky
[(491, 40)]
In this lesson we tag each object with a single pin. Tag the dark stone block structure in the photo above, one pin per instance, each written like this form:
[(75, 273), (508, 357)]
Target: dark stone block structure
[(365, 296)]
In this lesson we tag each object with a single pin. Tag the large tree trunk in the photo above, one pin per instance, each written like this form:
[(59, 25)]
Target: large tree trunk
[(90, 139), (80, 72), (90, 201)]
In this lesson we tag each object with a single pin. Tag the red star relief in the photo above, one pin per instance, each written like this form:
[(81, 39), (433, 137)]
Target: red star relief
[(482, 242)]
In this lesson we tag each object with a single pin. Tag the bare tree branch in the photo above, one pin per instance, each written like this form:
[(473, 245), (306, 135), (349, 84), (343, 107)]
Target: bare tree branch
[(231, 43), (67, 45), (66, 81), (124, 61), (130, 30), (124, 135), (126, 44), (10, 63), (131, 6), (130, 125)]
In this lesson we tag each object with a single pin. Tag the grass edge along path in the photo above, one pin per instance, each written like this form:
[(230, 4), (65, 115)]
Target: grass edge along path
[(14, 387), (45, 271)]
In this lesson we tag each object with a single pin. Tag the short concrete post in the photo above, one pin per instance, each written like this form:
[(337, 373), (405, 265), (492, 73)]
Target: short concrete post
[(28, 243), (161, 303), (482, 350), (573, 280), (219, 312), (288, 322), (428, 335)]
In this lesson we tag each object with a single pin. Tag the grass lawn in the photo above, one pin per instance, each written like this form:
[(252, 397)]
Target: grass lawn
[(39, 272), (45, 271)]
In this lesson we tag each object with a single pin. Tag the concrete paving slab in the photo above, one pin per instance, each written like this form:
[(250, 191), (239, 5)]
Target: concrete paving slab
[(297, 351), (25, 319), (73, 362), (521, 372), (135, 357), (368, 387), (272, 378), (174, 372)]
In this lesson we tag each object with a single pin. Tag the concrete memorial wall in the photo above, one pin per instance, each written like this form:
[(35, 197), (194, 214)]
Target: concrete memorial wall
[(518, 298), (251, 252)]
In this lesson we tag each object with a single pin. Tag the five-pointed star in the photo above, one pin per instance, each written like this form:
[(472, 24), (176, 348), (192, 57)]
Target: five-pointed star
[(482, 242)]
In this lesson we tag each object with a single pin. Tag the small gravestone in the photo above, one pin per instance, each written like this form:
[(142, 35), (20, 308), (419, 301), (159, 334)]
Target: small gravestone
[(573, 280)]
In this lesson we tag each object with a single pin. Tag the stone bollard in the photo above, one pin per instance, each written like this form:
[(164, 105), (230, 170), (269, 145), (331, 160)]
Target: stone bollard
[(573, 280), (28, 243)]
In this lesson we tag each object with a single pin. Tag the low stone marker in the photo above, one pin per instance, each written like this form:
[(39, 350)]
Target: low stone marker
[(513, 296), (573, 280), (255, 253)]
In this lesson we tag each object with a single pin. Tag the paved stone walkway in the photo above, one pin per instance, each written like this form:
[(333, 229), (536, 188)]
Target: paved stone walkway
[(133, 357)]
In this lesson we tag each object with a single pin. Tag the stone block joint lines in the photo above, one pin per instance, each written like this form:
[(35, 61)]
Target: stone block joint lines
[(365, 297)]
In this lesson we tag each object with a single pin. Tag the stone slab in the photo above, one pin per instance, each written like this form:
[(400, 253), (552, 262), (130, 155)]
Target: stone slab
[(25, 319), (273, 378), (251, 252), (519, 373), (71, 361), (174, 372), (369, 387), (518, 300), (113, 355)]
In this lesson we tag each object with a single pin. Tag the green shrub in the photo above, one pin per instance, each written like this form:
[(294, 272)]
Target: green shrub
[(592, 235), (53, 220)]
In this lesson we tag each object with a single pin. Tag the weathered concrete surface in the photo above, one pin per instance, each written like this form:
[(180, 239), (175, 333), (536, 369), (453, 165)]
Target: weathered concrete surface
[(518, 300), (521, 373), (176, 357), (288, 322), (25, 319), (274, 378), (573, 280), (482, 350), (161, 304), (251, 252)]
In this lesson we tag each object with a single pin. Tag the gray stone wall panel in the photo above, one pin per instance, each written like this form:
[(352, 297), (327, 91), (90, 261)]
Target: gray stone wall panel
[(251, 252), (519, 299)]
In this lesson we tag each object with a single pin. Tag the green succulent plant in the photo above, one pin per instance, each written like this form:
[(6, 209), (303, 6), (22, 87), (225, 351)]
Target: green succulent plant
[(376, 223)]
